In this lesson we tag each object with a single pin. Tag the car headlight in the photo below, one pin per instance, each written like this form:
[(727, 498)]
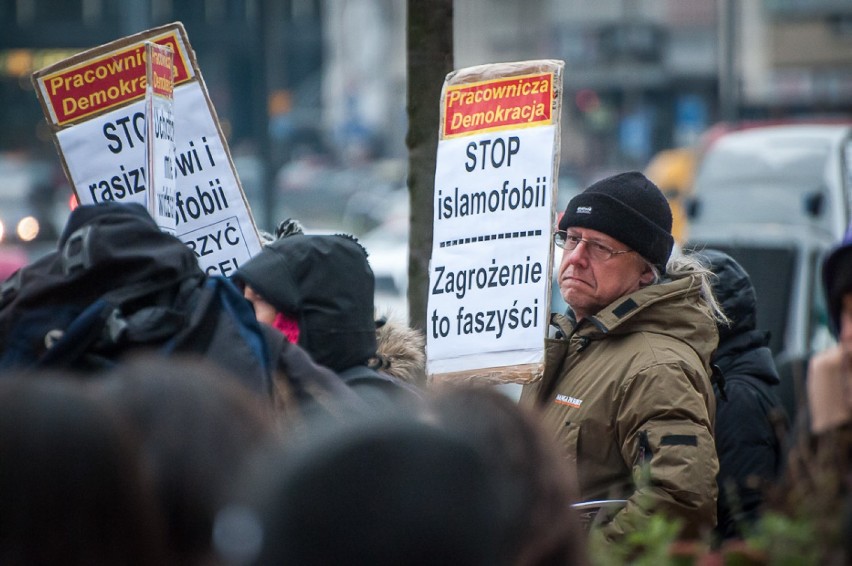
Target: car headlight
[(27, 229)]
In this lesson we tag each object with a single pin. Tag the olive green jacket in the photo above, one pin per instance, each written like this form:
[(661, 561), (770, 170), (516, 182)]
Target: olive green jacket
[(627, 394)]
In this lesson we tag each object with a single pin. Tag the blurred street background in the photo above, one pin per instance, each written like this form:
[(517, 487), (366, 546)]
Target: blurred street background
[(318, 87), (311, 95)]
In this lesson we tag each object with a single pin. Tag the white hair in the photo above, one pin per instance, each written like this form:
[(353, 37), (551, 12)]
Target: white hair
[(690, 265)]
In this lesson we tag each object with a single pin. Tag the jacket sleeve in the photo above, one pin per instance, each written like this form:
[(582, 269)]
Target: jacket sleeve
[(665, 433), (303, 387)]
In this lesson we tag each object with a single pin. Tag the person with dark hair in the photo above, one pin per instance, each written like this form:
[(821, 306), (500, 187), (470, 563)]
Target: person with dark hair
[(536, 488), (829, 401), (318, 290), (750, 419), (382, 492), (198, 427), (818, 475), (73, 487), (626, 386)]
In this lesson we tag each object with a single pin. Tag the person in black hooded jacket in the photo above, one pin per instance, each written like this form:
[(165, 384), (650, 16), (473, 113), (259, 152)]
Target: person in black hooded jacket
[(116, 285), (318, 290), (750, 419)]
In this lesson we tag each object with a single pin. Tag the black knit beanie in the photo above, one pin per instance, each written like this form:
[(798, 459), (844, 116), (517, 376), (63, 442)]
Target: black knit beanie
[(629, 208)]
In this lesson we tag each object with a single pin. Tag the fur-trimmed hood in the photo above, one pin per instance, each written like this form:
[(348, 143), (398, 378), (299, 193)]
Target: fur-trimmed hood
[(401, 352)]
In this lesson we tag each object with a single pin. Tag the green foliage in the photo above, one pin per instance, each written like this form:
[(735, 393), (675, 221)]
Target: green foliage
[(776, 539), (802, 524), (787, 541), (649, 545)]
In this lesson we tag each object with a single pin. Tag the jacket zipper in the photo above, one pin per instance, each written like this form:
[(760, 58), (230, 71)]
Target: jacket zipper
[(645, 452)]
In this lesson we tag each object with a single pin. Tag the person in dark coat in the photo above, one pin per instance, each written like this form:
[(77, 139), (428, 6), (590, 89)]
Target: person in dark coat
[(749, 416), (319, 290), (116, 285)]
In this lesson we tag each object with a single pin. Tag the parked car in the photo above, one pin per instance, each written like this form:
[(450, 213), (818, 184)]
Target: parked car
[(324, 194), (30, 210)]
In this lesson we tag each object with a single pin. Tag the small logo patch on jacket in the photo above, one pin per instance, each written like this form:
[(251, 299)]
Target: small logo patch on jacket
[(584, 210), (568, 400)]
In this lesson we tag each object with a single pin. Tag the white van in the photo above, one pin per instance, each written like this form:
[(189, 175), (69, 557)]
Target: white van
[(789, 174), (777, 198)]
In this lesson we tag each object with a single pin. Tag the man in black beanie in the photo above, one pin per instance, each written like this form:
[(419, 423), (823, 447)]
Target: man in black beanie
[(626, 385)]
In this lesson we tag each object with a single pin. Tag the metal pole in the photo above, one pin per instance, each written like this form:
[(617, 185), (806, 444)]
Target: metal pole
[(728, 87), (271, 68)]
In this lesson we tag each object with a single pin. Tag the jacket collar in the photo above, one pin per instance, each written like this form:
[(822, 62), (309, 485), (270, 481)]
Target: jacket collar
[(676, 312)]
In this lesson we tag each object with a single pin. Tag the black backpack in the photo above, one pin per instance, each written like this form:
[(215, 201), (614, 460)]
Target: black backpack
[(116, 283)]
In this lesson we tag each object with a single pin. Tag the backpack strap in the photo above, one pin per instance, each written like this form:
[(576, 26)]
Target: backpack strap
[(222, 327), (236, 306), (68, 346), (103, 326), (9, 289)]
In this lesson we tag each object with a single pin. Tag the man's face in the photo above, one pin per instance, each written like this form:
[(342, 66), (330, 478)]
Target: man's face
[(588, 284)]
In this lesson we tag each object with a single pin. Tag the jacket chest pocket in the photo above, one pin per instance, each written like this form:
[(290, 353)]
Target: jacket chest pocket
[(569, 441), (590, 443), (593, 450)]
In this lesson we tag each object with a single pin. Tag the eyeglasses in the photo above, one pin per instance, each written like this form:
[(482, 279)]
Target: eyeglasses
[(597, 251)]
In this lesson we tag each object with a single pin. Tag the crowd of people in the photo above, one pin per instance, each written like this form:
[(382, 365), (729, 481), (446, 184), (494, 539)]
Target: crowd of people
[(162, 425)]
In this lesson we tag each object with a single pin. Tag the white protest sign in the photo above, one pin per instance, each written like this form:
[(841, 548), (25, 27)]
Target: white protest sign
[(489, 276), (160, 135), (94, 103)]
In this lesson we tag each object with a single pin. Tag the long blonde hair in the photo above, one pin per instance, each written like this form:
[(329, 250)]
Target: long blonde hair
[(690, 265)]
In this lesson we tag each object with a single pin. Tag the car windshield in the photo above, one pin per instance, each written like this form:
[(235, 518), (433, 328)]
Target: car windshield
[(790, 165), (779, 182)]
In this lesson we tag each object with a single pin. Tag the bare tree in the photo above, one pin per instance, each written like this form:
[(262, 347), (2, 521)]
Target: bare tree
[(430, 58)]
